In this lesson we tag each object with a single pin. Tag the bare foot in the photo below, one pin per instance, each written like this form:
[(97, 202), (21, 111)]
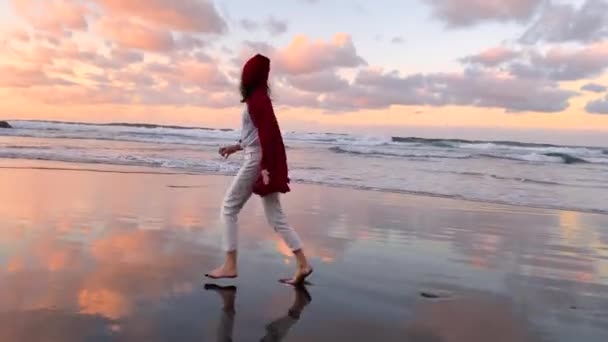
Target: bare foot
[(299, 278), (222, 272)]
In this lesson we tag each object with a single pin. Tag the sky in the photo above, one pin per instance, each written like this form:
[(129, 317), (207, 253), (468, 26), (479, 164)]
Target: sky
[(480, 67)]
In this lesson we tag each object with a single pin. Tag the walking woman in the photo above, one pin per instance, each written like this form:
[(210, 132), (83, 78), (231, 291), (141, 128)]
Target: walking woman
[(263, 172)]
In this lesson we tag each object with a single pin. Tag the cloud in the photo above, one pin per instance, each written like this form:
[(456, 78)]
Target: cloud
[(292, 97), (598, 106), (320, 82), (249, 24), (60, 95), (135, 35), (53, 15), (594, 87), (45, 38), (492, 57), (373, 89), (204, 75), (398, 40), (494, 90), (126, 57), (275, 26), (560, 22), (272, 25), (171, 96), (563, 64), (18, 35), (198, 71), (463, 13), (68, 54), (303, 55), (13, 77), (198, 16), (189, 42)]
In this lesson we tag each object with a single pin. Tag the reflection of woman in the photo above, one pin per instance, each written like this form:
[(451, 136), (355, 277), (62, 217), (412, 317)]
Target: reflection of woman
[(226, 326), (264, 171), (276, 330)]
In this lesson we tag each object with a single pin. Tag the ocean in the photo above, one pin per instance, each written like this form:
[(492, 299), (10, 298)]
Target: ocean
[(538, 175)]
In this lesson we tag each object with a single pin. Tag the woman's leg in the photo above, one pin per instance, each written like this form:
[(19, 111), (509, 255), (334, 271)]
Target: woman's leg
[(277, 219), (236, 197)]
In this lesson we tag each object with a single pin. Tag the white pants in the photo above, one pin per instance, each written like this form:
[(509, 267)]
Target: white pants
[(240, 191)]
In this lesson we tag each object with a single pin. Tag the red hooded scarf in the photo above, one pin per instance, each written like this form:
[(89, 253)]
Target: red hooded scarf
[(274, 159)]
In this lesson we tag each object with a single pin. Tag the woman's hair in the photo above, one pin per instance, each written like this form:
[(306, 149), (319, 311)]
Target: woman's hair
[(246, 91)]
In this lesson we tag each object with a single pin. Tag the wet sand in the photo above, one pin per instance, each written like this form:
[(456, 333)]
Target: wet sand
[(120, 256)]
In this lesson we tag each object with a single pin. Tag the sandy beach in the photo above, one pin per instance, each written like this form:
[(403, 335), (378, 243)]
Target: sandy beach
[(102, 253)]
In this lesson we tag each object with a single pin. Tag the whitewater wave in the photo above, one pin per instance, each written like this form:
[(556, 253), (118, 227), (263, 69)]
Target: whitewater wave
[(575, 151), (363, 151), (550, 157), (111, 158), (517, 179), (560, 158)]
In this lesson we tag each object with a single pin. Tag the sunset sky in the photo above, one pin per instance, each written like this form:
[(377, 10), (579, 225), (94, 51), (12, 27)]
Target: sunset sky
[(336, 64)]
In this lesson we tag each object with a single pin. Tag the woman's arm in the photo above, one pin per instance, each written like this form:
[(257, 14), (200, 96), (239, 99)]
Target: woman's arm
[(226, 151)]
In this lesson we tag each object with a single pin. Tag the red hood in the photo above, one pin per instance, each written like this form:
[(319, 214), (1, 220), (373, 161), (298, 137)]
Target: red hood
[(255, 71)]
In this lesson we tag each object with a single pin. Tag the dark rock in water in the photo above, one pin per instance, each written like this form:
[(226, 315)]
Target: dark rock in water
[(4, 124)]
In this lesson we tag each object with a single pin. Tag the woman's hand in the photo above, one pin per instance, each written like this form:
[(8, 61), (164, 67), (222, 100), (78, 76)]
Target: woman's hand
[(265, 177), (226, 151)]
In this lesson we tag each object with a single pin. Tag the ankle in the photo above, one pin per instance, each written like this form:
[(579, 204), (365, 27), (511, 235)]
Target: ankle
[(229, 266), (304, 267)]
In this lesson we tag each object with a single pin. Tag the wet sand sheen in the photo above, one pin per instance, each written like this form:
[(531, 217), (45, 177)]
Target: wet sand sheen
[(110, 256)]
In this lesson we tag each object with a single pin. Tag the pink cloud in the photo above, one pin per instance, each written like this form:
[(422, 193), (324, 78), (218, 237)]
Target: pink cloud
[(51, 39), (185, 15), (459, 13), (19, 35), (13, 77), (563, 64), (303, 55), (171, 96), (80, 95), (492, 56), (197, 71), (52, 15), (205, 75), (135, 35)]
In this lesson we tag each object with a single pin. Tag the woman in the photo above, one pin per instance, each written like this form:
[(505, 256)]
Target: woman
[(264, 171)]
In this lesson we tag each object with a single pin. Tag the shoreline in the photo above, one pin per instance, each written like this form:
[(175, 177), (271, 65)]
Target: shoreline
[(107, 168)]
